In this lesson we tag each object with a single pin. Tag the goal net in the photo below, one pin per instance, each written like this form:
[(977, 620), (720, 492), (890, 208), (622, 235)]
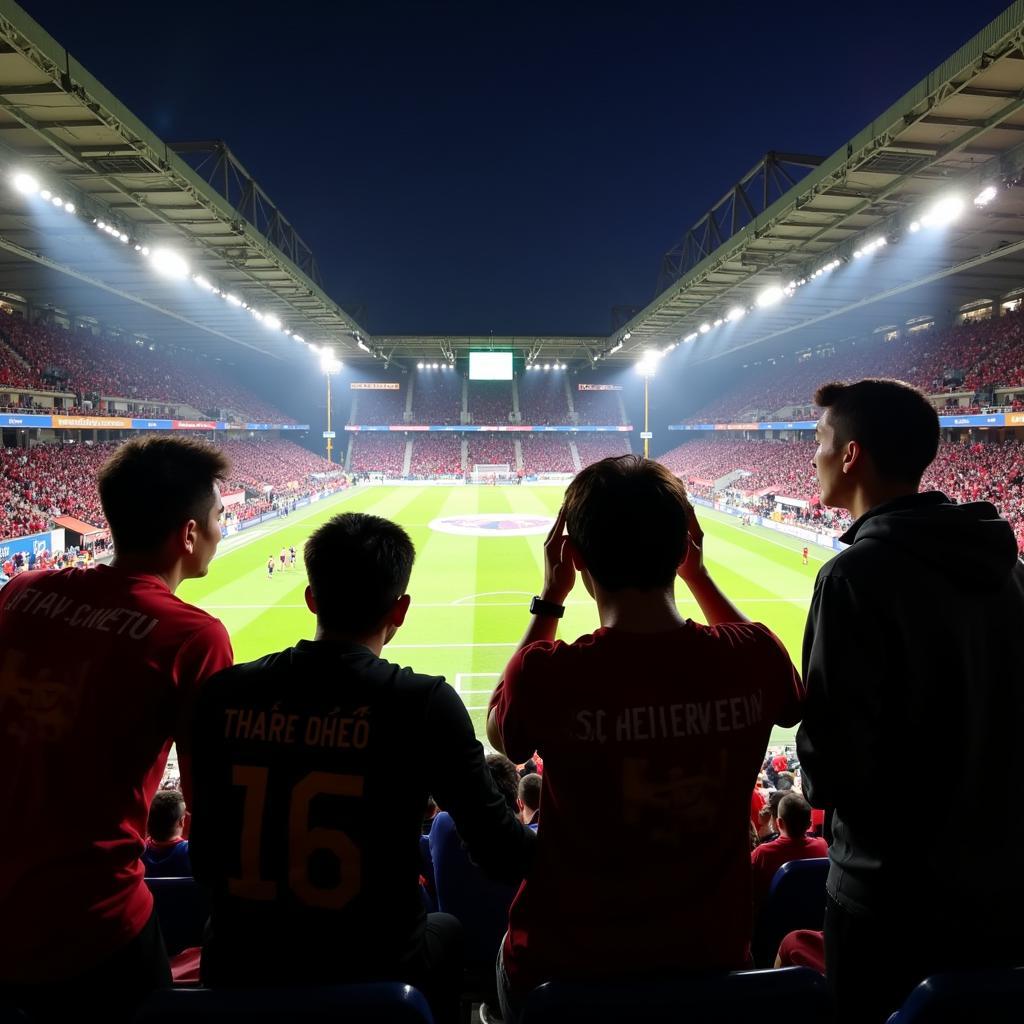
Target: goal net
[(487, 473)]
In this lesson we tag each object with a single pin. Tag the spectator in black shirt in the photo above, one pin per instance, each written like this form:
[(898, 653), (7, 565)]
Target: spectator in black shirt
[(312, 768)]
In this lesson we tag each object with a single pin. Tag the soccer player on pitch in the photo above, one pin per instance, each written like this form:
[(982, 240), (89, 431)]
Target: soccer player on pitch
[(97, 672)]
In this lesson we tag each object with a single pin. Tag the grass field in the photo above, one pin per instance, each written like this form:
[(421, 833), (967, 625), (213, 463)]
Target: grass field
[(470, 593)]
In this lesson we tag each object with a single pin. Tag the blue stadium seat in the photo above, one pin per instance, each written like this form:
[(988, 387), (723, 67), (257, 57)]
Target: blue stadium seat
[(738, 997), (967, 997), (427, 871), (182, 907), (463, 891), (377, 1003), (796, 899)]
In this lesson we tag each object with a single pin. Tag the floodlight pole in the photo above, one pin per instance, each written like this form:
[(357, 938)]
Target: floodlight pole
[(327, 374), (647, 429)]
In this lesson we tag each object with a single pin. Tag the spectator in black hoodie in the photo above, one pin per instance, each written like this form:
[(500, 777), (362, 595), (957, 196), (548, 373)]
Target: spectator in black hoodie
[(914, 645)]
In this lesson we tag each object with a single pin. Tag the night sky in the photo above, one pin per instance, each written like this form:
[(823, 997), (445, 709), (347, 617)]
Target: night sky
[(515, 168)]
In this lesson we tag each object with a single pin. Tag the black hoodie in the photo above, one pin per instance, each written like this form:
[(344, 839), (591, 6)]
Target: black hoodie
[(914, 718)]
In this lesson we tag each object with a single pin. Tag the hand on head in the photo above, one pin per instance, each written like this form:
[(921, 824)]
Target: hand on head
[(559, 572)]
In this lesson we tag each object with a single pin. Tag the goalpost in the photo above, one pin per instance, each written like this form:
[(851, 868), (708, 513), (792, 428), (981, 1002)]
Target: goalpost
[(491, 473)]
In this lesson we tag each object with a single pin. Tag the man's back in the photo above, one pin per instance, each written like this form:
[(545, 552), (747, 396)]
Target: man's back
[(915, 646), (651, 744), (93, 670), (312, 769)]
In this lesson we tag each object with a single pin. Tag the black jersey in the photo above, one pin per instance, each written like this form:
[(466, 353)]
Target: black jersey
[(311, 772)]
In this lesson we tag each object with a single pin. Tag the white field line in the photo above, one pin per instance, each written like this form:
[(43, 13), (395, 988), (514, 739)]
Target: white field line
[(459, 676), (764, 534)]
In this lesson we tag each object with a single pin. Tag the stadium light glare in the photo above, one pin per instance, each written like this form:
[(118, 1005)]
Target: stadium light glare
[(736, 313), (943, 212), (257, 315), (564, 367), (362, 344), (770, 296), (299, 338), (145, 250), (123, 237), (57, 201), (704, 327), (986, 195), (547, 366), (46, 194), (692, 336), (271, 321), (915, 226), (169, 264), (627, 336), (25, 183), (69, 207), (233, 299), (718, 322), (101, 225), (435, 365), (328, 362), (419, 366)]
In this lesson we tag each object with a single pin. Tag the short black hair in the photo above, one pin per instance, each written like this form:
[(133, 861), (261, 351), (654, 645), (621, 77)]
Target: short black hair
[(892, 421), (628, 517), (795, 812), (358, 567), (164, 814), (529, 791), (152, 485), (506, 778)]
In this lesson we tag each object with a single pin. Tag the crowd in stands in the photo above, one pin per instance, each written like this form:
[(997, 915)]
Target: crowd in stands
[(96, 367), (542, 399), (436, 454), (379, 406), (377, 453), (490, 402), (597, 408), (593, 447), (281, 465), (437, 398), (546, 453), (966, 358), (490, 449)]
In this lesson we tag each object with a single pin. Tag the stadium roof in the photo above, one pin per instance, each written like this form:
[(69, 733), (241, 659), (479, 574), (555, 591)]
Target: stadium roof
[(958, 130), (61, 125)]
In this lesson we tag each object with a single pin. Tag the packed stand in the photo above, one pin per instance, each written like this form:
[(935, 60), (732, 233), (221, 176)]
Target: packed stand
[(542, 400), (436, 455), (490, 450), (377, 453), (546, 453), (597, 408), (594, 447), (94, 366), (281, 465), (379, 407), (437, 398), (490, 402)]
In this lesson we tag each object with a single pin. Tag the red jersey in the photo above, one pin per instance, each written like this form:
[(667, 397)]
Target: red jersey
[(97, 668), (757, 801), (651, 745), (780, 763), (767, 858)]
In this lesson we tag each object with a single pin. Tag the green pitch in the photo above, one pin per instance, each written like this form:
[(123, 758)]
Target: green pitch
[(470, 594)]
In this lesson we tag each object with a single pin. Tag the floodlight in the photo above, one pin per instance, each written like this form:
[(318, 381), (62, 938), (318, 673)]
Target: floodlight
[(101, 225), (233, 299), (985, 196), (57, 201), (328, 362), (736, 313), (704, 327), (145, 250), (915, 226), (169, 264), (69, 207), (25, 183), (692, 336), (419, 366), (124, 238), (944, 211), (627, 336), (271, 321), (718, 322), (564, 367), (770, 296), (298, 337), (547, 366), (257, 315), (46, 194)]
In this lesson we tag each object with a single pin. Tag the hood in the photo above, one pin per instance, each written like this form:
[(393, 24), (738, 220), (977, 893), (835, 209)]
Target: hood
[(971, 543)]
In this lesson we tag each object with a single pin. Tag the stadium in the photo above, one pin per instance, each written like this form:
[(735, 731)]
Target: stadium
[(154, 288)]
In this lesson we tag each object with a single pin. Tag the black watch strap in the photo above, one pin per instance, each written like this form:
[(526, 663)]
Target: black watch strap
[(538, 606)]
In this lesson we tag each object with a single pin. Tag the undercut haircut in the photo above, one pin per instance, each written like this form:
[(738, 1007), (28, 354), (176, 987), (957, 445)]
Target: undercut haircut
[(628, 517), (358, 567), (529, 791), (795, 813), (165, 812), (151, 486), (892, 421)]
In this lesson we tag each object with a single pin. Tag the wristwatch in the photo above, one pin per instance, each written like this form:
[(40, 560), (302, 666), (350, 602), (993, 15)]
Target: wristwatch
[(538, 606)]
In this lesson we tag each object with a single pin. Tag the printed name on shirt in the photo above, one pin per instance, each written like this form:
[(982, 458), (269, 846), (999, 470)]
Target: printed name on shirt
[(346, 732), (671, 721), (122, 621)]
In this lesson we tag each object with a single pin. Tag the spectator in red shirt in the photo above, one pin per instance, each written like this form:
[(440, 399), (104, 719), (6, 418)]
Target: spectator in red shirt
[(102, 661), (794, 818), (652, 728)]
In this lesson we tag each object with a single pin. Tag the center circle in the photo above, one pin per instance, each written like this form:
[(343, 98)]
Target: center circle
[(492, 525)]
